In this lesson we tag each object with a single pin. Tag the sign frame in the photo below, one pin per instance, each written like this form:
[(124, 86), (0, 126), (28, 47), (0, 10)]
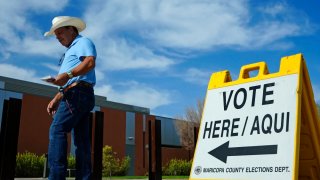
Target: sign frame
[(306, 119)]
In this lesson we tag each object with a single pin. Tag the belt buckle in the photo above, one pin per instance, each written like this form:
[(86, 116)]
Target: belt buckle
[(60, 89), (85, 84)]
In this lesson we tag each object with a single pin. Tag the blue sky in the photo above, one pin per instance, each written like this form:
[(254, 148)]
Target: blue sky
[(160, 54)]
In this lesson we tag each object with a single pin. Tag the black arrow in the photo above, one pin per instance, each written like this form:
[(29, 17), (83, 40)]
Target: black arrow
[(223, 151)]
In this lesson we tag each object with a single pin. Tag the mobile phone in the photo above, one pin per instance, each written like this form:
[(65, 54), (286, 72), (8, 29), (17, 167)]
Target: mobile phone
[(48, 79)]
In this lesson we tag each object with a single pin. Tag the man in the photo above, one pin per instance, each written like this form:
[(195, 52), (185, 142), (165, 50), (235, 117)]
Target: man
[(71, 106)]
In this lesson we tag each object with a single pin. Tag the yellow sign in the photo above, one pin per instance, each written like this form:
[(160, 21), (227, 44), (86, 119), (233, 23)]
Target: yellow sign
[(259, 128)]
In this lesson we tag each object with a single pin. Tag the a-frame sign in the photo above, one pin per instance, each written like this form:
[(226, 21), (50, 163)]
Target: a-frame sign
[(264, 127)]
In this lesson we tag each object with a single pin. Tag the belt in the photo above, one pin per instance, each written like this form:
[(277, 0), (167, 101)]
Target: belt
[(78, 83)]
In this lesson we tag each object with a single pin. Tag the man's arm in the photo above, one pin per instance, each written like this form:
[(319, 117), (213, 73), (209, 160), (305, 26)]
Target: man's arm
[(85, 66), (54, 103)]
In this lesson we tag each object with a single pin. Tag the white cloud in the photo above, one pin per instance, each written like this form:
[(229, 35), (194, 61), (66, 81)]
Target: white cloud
[(137, 94), (53, 67), (99, 74), (19, 33), (274, 9), (194, 76), (12, 71), (143, 34), (117, 54), (35, 5), (46, 47), (194, 25), (270, 32), (197, 76)]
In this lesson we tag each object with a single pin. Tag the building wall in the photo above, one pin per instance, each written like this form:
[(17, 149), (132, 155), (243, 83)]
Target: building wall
[(171, 143), (169, 153), (140, 144), (115, 130), (34, 125)]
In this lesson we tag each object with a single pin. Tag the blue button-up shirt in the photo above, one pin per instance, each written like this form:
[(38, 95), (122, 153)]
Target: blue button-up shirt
[(77, 51)]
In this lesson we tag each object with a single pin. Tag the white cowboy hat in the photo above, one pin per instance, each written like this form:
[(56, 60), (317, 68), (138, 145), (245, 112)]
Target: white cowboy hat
[(61, 21)]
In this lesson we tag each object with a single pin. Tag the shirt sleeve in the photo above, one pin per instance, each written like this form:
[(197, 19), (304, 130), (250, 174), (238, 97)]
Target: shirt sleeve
[(86, 48)]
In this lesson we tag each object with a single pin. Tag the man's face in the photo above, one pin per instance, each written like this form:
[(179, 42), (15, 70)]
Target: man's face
[(64, 35)]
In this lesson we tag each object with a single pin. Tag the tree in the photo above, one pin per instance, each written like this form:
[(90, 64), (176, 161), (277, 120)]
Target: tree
[(185, 124)]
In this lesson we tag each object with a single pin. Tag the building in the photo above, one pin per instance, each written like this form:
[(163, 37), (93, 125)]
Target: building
[(125, 127)]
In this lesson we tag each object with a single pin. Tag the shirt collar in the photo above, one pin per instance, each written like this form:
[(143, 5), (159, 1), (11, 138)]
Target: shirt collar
[(75, 41)]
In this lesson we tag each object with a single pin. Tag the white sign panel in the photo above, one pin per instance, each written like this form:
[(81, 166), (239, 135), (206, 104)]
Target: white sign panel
[(248, 131)]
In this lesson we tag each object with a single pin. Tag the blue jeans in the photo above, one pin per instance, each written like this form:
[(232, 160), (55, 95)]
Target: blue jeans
[(72, 113)]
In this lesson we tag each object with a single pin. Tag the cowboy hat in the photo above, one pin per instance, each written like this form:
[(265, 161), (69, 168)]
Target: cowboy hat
[(61, 21)]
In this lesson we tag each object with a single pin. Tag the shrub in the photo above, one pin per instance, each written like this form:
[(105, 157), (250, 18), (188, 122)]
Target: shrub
[(177, 167), (71, 162), (113, 166), (29, 165)]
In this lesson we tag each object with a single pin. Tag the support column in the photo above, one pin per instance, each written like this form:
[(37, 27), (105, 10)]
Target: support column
[(9, 137), (98, 146)]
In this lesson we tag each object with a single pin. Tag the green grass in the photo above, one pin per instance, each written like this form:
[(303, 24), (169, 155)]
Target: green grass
[(175, 177), (127, 177)]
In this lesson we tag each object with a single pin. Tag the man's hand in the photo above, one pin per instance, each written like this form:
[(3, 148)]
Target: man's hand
[(61, 79), (54, 104)]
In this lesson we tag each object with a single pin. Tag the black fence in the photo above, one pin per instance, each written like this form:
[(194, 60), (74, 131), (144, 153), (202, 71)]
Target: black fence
[(156, 172), (9, 137)]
